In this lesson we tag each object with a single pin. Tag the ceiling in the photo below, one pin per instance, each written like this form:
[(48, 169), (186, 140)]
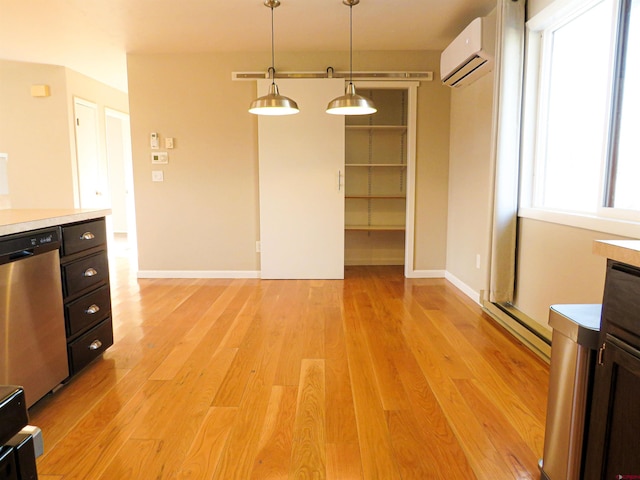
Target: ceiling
[(94, 36)]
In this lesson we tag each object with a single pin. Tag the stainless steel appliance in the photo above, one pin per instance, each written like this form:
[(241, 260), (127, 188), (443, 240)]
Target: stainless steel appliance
[(33, 348), (574, 341)]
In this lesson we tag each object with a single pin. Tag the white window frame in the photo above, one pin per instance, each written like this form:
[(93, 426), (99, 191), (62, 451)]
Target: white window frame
[(608, 220)]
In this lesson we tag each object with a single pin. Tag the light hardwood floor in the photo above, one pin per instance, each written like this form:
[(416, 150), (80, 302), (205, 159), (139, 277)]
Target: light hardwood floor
[(373, 377)]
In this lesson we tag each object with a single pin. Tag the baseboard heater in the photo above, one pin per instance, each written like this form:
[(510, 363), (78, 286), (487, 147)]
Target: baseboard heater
[(524, 328)]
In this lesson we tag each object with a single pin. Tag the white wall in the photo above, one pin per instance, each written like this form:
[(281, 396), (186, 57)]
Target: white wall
[(469, 218), (204, 217), (38, 134), (34, 132)]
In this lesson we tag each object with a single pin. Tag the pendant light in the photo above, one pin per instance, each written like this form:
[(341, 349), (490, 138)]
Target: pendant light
[(273, 103), (350, 103)]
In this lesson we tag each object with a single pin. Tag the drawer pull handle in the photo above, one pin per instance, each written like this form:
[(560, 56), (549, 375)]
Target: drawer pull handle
[(92, 309), (95, 345), (87, 236), (90, 272)]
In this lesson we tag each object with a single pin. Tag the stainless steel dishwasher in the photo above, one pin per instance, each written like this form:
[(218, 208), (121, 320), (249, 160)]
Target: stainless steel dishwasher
[(33, 348)]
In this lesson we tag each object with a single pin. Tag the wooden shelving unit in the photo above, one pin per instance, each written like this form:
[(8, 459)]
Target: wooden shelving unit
[(376, 181)]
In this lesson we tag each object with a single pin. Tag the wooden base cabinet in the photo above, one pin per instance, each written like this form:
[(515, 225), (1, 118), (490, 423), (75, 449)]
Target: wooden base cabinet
[(85, 289), (613, 450)]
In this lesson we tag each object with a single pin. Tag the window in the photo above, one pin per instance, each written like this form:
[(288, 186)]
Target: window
[(582, 109), (625, 155)]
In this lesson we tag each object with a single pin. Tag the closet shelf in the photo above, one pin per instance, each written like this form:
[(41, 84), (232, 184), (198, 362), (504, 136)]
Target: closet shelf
[(400, 128), (401, 165), (401, 197), (376, 228)]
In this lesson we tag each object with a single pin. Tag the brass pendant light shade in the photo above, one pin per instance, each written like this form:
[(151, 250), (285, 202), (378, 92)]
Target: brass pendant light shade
[(350, 103), (273, 103)]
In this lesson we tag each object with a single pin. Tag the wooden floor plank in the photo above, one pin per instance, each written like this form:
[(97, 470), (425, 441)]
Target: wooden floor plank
[(504, 398), (294, 313), (276, 439), (343, 461), (415, 459), (218, 300), (378, 461), (232, 389), (372, 377), (340, 416), (100, 440), (308, 454), (504, 435), (139, 455), (202, 459), (238, 458), (437, 437)]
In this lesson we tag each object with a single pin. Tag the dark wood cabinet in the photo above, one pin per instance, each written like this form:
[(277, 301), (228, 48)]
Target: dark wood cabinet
[(87, 297), (613, 448)]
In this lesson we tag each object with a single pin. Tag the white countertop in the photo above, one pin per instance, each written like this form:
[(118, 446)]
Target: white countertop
[(23, 220), (625, 251)]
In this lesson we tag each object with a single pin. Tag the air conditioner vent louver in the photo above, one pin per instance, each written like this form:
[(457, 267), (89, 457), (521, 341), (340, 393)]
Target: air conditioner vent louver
[(470, 55), (464, 71)]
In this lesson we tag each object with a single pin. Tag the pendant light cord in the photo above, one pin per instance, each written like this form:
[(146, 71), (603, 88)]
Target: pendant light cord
[(350, 44), (273, 61)]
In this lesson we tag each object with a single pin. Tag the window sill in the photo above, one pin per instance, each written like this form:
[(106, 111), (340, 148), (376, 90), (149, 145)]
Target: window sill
[(611, 226)]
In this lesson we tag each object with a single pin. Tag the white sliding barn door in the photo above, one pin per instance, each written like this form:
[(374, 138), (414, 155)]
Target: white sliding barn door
[(301, 191)]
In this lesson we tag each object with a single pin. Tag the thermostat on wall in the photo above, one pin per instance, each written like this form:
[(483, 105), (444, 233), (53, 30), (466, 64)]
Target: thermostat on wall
[(159, 157)]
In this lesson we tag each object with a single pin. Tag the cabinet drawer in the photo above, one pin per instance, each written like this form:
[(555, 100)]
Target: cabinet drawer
[(85, 273), (87, 310), (621, 304), (90, 346), (82, 236)]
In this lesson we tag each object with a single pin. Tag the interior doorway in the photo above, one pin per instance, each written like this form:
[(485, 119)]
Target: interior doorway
[(93, 175), (120, 171)]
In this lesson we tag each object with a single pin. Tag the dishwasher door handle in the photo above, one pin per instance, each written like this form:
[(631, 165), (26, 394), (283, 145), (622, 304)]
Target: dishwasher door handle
[(21, 254)]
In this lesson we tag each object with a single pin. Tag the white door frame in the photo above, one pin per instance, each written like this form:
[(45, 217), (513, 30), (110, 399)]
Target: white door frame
[(412, 112), (84, 187), (127, 167)]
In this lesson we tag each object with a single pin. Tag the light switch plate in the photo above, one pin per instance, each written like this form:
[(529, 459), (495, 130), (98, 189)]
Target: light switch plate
[(157, 176), (168, 142), (159, 157)]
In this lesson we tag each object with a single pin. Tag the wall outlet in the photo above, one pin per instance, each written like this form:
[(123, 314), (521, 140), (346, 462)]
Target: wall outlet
[(478, 261), (157, 176)]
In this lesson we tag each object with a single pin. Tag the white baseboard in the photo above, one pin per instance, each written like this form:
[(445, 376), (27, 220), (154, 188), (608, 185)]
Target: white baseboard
[(425, 274), (463, 287), (198, 274)]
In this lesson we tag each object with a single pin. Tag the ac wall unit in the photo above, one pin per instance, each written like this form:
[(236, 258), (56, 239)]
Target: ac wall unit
[(470, 55)]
